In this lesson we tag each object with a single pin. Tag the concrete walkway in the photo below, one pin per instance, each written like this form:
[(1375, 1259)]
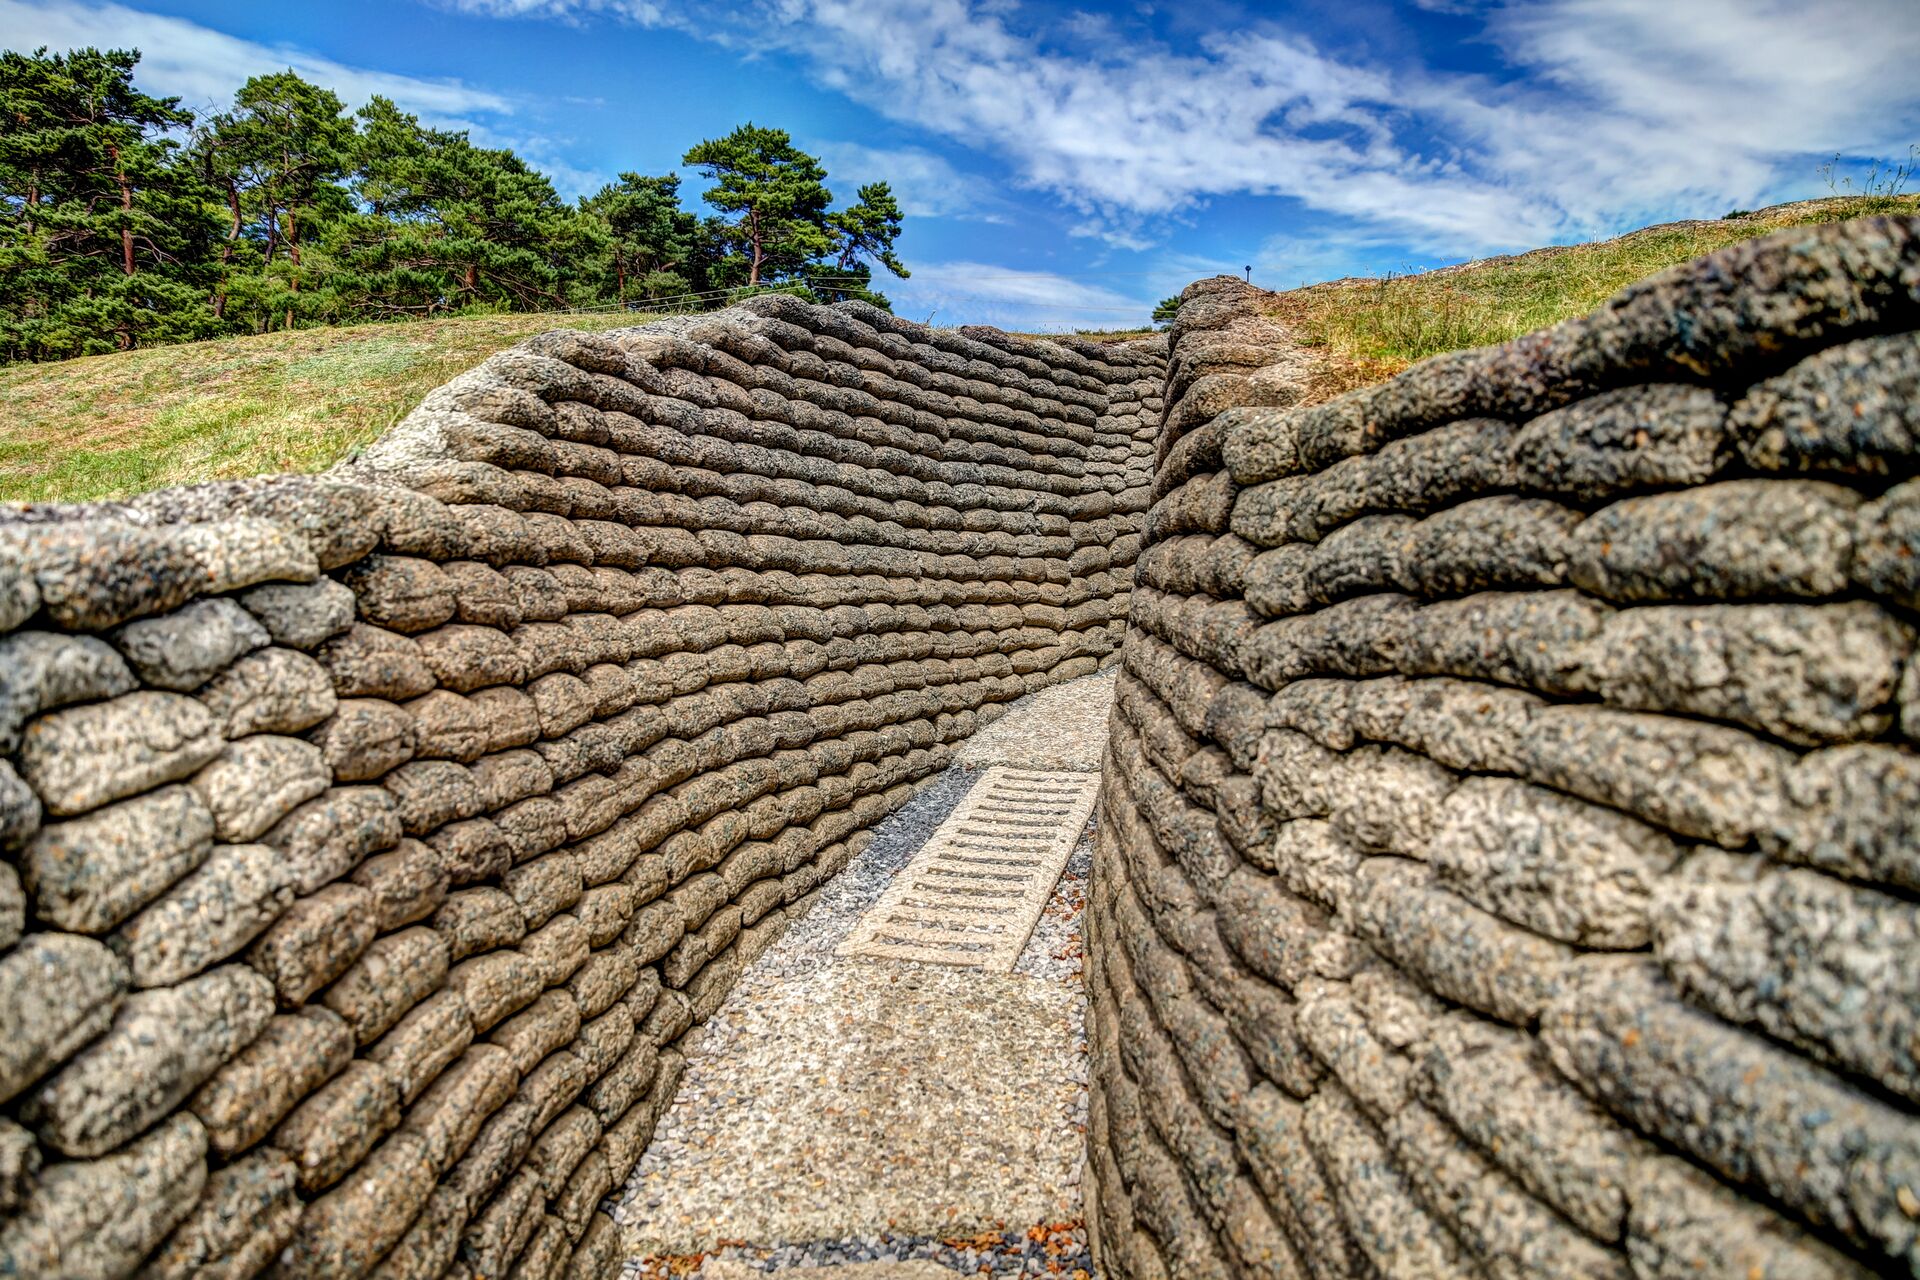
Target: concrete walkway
[(844, 1110)]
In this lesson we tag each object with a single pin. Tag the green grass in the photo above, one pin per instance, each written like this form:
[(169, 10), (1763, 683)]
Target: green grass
[(109, 426), (1371, 329)]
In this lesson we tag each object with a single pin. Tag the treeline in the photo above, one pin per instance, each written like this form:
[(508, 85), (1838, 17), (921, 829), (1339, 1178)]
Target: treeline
[(127, 222)]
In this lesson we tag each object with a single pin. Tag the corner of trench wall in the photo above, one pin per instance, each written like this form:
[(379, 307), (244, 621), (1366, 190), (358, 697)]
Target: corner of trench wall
[(369, 841), (1508, 862)]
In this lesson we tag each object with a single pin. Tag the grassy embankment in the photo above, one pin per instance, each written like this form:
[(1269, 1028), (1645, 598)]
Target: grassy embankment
[(1370, 329), (109, 426)]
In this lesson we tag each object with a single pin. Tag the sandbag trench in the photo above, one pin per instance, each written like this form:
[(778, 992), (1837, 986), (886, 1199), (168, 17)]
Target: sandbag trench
[(369, 841), (1507, 861)]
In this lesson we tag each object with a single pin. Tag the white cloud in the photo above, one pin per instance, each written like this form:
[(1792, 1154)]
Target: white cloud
[(204, 67), (1724, 101), (1618, 109), (1753, 76), (642, 11), (549, 156), (924, 182), (957, 293), (1120, 235)]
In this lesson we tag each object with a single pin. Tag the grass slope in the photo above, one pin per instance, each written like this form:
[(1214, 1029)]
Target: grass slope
[(109, 426), (1370, 329)]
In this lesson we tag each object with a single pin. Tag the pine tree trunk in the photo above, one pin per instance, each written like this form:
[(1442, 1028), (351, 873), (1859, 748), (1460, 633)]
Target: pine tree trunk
[(293, 256), (126, 206), (233, 231), (226, 251)]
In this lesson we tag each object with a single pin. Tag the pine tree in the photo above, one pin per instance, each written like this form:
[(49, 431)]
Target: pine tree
[(869, 228), (772, 196), (277, 158), (653, 246), (105, 242), (864, 234), (448, 226)]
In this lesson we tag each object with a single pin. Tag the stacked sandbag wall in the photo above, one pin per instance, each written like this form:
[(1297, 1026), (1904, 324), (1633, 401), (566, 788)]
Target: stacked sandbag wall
[(368, 842), (1508, 861)]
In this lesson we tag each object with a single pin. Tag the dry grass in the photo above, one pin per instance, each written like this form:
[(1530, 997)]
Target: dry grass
[(109, 426), (1367, 330)]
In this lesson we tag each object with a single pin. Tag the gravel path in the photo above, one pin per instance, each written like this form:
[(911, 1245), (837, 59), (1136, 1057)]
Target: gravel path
[(841, 1110)]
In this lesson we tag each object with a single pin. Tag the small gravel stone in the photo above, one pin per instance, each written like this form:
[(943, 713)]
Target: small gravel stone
[(1049, 1249)]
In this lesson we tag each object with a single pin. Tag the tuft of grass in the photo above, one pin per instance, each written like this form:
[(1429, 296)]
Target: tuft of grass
[(1367, 330), (109, 426)]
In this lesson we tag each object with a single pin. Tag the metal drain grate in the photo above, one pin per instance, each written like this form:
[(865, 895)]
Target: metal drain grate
[(973, 893)]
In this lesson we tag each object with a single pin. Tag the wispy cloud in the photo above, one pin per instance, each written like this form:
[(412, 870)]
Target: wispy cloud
[(643, 11), (1123, 234), (1614, 107), (204, 67), (926, 184), (1635, 105)]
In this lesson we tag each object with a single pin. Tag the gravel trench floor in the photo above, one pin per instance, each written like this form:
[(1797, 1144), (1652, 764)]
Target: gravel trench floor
[(841, 1110)]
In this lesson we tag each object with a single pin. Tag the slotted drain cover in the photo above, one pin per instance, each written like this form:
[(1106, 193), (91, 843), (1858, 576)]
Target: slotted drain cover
[(976, 888)]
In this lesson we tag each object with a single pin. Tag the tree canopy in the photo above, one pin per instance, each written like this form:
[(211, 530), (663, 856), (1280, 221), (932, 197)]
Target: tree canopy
[(276, 159), (777, 224), (104, 243), (653, 248), (772, 198), (442, 225), (125, 222)]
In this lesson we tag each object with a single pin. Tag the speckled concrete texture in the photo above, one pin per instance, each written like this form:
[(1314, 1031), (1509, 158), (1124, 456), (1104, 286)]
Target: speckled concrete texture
[(1062, 727), (971, 896), (867, 1096), (841, 1109), (725, 1269)]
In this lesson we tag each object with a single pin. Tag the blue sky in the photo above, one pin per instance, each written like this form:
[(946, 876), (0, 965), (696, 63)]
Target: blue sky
[(1064, 165)]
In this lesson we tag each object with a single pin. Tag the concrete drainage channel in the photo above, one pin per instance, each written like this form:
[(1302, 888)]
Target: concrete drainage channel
[(876, 1099), (972, 894)]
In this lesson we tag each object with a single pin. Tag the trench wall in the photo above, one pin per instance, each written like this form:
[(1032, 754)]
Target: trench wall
[(369, 841), (1508, 859)]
